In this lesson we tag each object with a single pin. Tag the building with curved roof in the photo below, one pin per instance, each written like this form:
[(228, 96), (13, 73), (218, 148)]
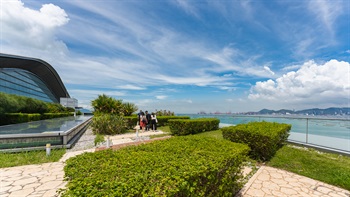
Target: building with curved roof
[(30, 77)]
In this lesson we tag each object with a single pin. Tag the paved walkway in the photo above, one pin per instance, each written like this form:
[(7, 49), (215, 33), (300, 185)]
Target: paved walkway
[(46, 179), (268, 181)]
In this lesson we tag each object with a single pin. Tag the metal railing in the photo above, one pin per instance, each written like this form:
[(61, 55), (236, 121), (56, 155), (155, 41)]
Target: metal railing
[(331, 134)]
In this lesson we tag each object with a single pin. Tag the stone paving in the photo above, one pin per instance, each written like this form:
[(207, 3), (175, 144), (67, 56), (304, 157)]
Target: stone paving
[(268, 181), (46, 179)]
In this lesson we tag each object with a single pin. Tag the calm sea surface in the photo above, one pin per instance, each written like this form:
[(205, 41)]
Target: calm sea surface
[(331, 131)]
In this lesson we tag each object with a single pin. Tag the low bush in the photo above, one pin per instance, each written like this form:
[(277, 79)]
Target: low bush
[(178, 166), (193, 126), (55, 115), (108, 124), (99, 139), (131, 121), (16, 118), (264, 138), (163, 120)]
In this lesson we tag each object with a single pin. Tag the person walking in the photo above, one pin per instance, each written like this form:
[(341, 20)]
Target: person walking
[(143, 121), (148, 117), (139, 118), (154, 122)]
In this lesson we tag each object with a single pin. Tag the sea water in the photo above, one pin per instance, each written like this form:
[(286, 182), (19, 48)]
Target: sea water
[(326, 131)]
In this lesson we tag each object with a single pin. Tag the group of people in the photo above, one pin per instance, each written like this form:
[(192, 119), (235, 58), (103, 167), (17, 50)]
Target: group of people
[(147, 121)]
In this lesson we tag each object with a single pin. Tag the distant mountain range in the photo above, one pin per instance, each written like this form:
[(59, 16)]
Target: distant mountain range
[(314, 111)]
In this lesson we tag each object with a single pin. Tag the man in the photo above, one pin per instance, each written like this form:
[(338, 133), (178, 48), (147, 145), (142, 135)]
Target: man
[(138, 118), (148, 117)]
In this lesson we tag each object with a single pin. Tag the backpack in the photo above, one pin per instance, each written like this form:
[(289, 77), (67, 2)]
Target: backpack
[(144, 119)]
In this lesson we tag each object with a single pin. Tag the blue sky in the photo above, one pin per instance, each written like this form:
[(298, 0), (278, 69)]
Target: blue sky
[(190, 56)]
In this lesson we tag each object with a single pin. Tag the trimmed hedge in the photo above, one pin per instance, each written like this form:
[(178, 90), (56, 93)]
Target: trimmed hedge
[(16, 118), (55, 115), (193, 126), (164, 120), (264, 138), (131, 121), (178, 166)]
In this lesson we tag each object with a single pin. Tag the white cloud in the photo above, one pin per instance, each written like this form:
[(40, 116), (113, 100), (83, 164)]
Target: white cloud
[(188, 101), (326, 11), (25, 27), (292, 67), (228, 88), (269, 70), (189, 9), (130, 87), (161, 97), (311, 84)]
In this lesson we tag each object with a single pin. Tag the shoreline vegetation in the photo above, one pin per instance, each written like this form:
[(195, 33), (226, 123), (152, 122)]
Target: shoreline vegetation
[(330, 168)]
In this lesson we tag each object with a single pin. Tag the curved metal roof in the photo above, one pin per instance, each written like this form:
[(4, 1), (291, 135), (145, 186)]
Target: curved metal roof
[(40, 68)]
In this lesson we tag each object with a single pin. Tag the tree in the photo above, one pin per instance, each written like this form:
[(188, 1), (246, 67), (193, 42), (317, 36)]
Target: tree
[(107, 104), (129, 108)]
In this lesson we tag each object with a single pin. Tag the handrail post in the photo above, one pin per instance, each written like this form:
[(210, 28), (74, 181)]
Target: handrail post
[(307, 130)]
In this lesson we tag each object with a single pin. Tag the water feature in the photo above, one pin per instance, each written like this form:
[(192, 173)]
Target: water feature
[(59, 132)]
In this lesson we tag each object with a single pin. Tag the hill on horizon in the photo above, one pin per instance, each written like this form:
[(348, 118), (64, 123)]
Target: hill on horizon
[(313, 111)]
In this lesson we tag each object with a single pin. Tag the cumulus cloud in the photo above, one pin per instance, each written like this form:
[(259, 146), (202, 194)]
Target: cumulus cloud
[(312, 83), (25, 27)]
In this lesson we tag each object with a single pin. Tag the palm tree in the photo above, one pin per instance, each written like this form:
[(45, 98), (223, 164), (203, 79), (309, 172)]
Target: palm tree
[(106, 104), (129, 108)]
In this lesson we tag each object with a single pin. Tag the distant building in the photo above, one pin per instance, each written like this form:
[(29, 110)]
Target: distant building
[(33, 78), (69, 102)]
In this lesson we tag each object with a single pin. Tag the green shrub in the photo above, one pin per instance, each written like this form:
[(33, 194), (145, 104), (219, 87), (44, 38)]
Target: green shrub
[(99, 139), (163, 120), (33, 106), (55, 108), (131, 121), (55, 115), (108, 124), (193, 126), (16, 118), (8, 103), (264, 138), (179, 166)]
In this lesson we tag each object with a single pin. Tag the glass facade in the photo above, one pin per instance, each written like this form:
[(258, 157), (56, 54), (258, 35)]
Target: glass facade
[(24, 83)]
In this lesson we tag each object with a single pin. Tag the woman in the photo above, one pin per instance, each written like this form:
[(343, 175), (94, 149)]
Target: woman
[(154, 122), (143, 121)]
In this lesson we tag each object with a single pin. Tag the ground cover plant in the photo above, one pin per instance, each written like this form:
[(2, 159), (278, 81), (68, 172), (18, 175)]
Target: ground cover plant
[(330, 168), (29, 157), (178, 166)]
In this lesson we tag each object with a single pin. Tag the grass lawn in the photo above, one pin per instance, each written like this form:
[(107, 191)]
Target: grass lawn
[(216, 134), (326, 167), (30, 157)]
